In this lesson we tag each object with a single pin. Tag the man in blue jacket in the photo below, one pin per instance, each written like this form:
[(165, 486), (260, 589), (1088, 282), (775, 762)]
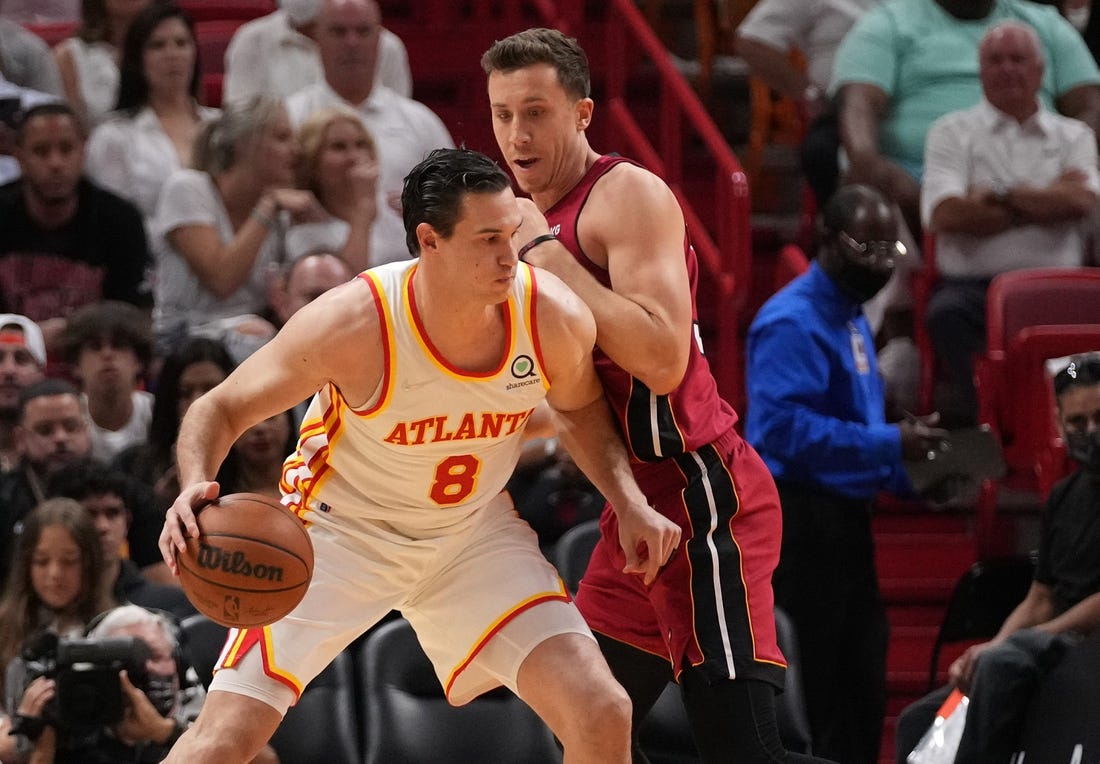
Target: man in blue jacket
[(816, 414)]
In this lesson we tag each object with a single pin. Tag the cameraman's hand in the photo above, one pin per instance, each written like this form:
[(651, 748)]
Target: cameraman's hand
[(141, 722), (38, 693)]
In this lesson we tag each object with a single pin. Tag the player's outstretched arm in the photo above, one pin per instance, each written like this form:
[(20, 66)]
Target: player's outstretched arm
[(633, 226), (586, 428), (336, 338)]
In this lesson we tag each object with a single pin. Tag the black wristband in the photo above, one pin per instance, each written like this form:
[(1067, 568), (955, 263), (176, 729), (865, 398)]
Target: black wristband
[(541, 239)]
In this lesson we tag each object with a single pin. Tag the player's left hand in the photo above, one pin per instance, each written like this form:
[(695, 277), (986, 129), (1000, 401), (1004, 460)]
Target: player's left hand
[(648, 540)]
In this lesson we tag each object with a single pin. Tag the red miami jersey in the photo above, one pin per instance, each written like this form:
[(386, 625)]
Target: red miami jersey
[(655, 427)]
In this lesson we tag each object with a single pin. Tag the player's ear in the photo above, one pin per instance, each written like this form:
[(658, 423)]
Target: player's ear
[(427, 236), (583, 110)]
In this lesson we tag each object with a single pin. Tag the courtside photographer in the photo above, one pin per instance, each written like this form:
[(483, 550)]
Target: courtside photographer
[(121, 694)]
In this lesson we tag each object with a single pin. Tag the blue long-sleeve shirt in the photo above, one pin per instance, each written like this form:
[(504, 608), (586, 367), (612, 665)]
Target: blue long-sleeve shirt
[(816, 410)]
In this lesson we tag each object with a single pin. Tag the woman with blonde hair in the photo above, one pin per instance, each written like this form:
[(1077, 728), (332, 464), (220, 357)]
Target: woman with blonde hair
[(340, 167), (218, 229)]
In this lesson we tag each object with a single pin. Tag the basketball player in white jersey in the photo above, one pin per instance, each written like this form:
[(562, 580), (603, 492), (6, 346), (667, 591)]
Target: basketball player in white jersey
[(428, 371)]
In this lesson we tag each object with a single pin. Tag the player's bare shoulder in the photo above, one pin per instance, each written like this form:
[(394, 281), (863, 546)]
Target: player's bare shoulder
[(628, 204), (343, 331)]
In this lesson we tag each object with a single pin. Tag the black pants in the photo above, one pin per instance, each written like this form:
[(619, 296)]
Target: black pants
[(731, 721), (820, 166), (1005, 680), (826, 582), (956, 325)]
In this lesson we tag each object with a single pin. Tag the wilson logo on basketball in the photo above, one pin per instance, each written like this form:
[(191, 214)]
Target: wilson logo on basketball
[(212, 558)]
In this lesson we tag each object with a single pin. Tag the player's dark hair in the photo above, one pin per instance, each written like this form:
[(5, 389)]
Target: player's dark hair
[(542, 46), (435, 188)]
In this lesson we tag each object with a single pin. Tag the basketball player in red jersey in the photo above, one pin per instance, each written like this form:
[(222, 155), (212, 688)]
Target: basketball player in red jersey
[(615, 234)]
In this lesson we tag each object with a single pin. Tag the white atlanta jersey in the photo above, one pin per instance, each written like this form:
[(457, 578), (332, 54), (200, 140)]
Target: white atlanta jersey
[(436, 443)]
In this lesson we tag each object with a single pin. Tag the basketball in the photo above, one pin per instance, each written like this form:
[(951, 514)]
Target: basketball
[(251, 564)]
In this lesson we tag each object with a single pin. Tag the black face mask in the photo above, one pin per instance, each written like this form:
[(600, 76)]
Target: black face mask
[(1084, 448), (161, 691), (859, 282)]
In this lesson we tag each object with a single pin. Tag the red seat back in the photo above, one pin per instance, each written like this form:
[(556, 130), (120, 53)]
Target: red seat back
[(1038, 297), (53, 32), (1032, 316)]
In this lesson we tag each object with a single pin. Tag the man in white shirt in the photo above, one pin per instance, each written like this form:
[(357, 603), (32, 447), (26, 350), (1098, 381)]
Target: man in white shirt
[(1006, 186), (348, 34), (26, 59), (275, 55)]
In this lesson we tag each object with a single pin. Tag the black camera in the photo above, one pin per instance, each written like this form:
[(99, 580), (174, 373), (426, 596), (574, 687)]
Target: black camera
[(89, 693)]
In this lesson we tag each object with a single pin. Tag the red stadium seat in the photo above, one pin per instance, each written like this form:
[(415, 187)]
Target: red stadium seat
[(53, 32), (1033, 315), (227, 10), (213, 38)]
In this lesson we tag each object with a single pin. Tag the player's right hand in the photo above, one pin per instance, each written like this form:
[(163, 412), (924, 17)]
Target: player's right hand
[(648, 540), (179, 520)]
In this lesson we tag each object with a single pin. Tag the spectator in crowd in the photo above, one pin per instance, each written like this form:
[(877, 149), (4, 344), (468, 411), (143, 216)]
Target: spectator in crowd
[(816, 415), (14, 102), (109, 346), (304, 280), (108, 495), (41, 11), (347, 34), (50, 433), (340, 166), (906, 63), (300, 283), (1062, 605), (89, 59), (25, 58), (276, 55), (255, 462), (218, 228), (765, 40), (158, 112), (193, 367), (1007, 185), (64, 241), (53, 586), (22, 362), (890, 94)]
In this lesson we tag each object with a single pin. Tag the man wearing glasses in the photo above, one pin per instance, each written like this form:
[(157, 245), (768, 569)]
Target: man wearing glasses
[(816, 414)]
